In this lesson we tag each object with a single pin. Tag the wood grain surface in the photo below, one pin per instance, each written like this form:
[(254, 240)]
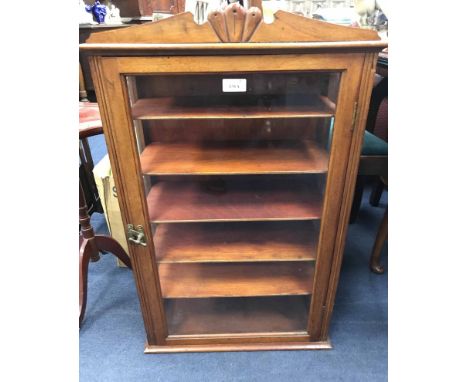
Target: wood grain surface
[(218, 345), (253, 20), (200, 130), (236, 242), (238, 157), (235, 279), (287, 27), (218, 22), (242, 198), (235, 18), (215, 108), (290, 27)]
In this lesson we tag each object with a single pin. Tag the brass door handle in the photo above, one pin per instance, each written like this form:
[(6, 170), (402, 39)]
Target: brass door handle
[(136, 235)]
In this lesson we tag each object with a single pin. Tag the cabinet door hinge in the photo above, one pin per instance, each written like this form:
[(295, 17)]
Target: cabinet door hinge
[(136, 235), (353, 123)]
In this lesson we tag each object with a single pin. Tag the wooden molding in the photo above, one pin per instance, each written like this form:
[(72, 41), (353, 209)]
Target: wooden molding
[(234, 24), (318, 345)]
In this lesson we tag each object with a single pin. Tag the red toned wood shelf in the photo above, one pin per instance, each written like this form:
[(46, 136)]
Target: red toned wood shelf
[(238, 157), (236, 242), (299, 106), (241, 199), (235, 279)]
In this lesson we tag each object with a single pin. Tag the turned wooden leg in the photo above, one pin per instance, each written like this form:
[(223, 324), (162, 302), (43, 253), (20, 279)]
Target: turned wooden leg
[(90, 246), (358, 191), (108, 244), (87, 249), (376, 194), (382, 235), (83, 93), (88, 252), (85, 256), (86, 228)]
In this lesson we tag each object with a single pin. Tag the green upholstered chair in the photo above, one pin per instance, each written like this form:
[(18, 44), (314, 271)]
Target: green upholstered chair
[(374, 156), (374, 152), (374, 164)]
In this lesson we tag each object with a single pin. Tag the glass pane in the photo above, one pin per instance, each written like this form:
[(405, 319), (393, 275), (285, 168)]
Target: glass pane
[(237, 315), (235, 167)]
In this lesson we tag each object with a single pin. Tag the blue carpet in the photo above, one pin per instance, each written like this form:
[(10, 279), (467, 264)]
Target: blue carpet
[(112, 337)]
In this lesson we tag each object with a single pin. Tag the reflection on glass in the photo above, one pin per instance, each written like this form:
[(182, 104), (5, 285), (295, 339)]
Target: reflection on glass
[(235, 168)]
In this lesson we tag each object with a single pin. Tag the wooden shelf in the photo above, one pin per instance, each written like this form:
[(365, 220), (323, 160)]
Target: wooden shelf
[(232, 107), (238, 157), (236, 279), (241, 199), (236, 242), (283, 314)]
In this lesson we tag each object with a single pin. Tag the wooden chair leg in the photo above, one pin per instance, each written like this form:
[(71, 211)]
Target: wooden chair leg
[(382, 235), (358, 191), (376, 194)]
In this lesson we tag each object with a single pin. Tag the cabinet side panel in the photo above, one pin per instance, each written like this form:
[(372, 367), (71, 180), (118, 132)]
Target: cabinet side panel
[(118, 129), (336, 185), (365, 89)]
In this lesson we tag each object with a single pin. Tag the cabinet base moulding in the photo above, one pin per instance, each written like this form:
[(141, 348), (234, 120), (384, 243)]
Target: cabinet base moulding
[(321, 345)]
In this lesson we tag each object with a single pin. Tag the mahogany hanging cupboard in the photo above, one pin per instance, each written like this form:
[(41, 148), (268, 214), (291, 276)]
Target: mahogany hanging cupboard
[(234, 146)]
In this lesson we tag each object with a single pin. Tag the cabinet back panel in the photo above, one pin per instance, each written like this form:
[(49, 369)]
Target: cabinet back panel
[(226, 130), (266, 83)]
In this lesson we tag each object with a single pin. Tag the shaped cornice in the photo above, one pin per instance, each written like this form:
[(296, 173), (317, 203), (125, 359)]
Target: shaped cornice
[(234, 24)]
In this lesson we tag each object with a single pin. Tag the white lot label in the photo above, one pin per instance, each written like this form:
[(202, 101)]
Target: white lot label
[(231, 85)]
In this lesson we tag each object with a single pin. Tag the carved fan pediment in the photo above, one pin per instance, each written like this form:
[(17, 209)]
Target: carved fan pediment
[(234, 24)]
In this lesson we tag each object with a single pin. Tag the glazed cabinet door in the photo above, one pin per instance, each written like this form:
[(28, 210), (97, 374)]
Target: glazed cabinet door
[(235, 168)]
